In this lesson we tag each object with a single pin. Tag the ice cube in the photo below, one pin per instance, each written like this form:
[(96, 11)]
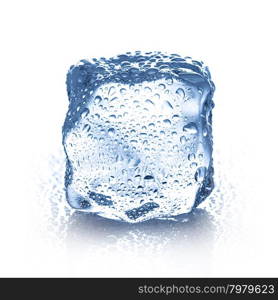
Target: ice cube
[(137, 136)]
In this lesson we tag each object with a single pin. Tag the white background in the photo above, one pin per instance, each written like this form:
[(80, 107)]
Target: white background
[(236, 39)]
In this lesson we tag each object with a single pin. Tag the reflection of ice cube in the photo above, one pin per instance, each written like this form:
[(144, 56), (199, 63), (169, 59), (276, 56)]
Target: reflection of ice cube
[(137, 136)]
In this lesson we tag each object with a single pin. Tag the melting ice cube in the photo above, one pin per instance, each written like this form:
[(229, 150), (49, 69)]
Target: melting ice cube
[(137, 136)]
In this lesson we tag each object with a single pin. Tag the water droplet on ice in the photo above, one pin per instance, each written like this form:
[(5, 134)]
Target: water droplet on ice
[(168, 104), (85, 113), (148, 89), (148, 101), (190, 128), (183, 140), (148, 177), (191, 156), (111, 131), (169, 81), (156, 97), (175, 118), (193, 165), (87, 127), (111, 91), (97, 116), (97, 100), (174, 133), (167, 122), (180, 92), (123, 91), (200, 174)]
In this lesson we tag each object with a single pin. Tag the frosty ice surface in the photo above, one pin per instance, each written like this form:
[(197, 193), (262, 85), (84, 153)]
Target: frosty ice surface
[(138, 137)]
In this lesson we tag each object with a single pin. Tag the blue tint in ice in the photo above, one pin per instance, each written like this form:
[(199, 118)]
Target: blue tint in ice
[(137, 136)]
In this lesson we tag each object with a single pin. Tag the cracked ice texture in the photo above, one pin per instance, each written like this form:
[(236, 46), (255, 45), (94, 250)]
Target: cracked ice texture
[(138, 136)]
